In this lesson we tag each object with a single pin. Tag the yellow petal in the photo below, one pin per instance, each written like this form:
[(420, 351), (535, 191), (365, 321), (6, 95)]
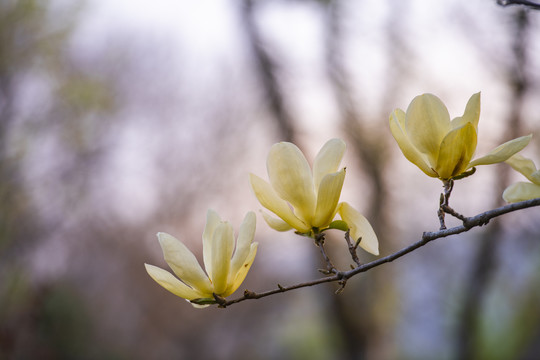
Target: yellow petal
[(327, 160), (397, 127), (328, 198), (183, 263), (222, 248), (172, 284), (471, 114), (276, 224), (457, 149), (270, 200), (521, 191), (243, 243), (290, 176), (359, 228), (524, 166), (427, 122), (502, 152), (212, 221), (242, 272)]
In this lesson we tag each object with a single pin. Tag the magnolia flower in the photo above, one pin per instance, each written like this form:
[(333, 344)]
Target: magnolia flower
[(309, 201), (225, 271), (523, 190), (442, 148)]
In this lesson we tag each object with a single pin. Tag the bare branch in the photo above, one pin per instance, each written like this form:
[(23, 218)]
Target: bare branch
[(342, 276), (530, 4)]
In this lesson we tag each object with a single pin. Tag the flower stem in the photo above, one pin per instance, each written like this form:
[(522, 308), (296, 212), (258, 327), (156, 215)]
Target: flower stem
[(319, 241)]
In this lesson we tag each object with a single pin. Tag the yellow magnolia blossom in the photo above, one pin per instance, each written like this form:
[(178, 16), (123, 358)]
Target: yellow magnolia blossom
[(307, 200), (225, 271), (442, 148), (523, 190)]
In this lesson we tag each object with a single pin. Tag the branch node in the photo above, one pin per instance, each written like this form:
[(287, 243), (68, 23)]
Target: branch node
[(222, 303), (484, 220), (327, 271), (353, 248), (249, 294), (342, 284)]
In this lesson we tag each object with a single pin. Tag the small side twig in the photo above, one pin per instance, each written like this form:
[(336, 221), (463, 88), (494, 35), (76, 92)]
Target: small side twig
[(342, 284), (353, 248)]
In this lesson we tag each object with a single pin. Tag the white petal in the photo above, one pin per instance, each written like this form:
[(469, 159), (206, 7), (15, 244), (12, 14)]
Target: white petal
[(471, 114), (275, 223), (328, 198), (243, 243), (397, 127), (270, 200), (427, 122), (222, 248), (327, 160), (172, 284), (183, 263), (291, 178), (525, 166), (359, 228), (521, 191), (456, 151), (212, 221), (242, 272), (503, 152)]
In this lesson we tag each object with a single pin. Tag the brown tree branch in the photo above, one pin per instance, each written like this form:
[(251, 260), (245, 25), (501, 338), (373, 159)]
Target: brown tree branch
[(341, 276)]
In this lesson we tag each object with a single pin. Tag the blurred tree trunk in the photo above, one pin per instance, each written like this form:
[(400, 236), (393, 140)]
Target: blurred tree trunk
[(484, 263), (267, 72), (364, 321)]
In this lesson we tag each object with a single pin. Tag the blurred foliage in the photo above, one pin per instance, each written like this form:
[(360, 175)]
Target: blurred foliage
[(46, 320)]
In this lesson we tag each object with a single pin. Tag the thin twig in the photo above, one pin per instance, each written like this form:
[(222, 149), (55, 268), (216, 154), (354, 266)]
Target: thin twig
[(444, 202), (447, 209), (468, 223), (353, 248), (330, 268)]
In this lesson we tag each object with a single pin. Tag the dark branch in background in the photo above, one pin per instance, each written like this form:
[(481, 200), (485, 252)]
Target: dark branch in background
[(370, 150), (266, 69), (530, 4), (358, 338), (342, 276), (484, 264)]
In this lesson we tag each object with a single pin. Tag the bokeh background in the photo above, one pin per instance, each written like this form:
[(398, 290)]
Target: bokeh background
[(119, 119)]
